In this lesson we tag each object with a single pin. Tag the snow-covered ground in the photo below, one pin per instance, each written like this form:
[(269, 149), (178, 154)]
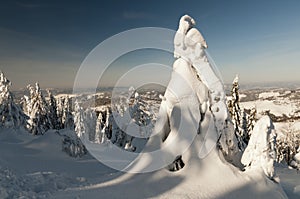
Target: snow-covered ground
[(35, 167), (283, 104), (279, 102)]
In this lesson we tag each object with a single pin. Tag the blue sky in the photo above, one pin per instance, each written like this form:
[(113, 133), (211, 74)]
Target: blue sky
[(46, 41)]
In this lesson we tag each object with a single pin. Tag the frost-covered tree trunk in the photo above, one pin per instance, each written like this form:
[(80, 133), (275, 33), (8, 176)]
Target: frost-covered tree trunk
[(261, 150), (11, 115)]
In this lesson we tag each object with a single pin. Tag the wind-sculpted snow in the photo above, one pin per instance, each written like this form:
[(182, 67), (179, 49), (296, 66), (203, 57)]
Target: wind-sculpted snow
[(261, 152), (190, 46)]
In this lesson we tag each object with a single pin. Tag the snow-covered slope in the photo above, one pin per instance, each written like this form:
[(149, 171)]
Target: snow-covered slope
[(36, 166), (30, 169)]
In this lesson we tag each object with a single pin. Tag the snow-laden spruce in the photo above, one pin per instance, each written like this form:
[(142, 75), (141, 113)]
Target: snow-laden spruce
[(261, 150), (11, 115), (53, 111), (129, 114), (192, 108), (243, 120), (236, 113), (38, 110)]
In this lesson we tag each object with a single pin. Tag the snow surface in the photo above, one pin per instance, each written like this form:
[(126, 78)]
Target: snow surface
[(36, 167), (275, 108), (266, 95)]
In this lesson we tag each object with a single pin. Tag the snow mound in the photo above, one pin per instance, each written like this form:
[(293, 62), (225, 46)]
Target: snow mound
[(260, 152)]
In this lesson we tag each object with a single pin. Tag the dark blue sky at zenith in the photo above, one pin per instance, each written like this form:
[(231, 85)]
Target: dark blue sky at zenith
[(46, 41)]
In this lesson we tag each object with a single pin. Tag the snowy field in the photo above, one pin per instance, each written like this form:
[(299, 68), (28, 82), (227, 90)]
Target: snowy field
[(36, 167), (282, 103)]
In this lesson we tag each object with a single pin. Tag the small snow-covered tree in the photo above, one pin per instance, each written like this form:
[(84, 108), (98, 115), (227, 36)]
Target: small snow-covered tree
[(261, 150), (100, 135), (72, 145), (11, 115), (39, 121)]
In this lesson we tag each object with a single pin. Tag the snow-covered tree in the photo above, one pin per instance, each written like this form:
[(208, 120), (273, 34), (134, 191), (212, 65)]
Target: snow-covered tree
[(39, 121), (11, 115), (100, 135), (288, 145), (99, 128), (67, 116), (79, 120), (72, 142), (251, 121), (53, 111), (90, 124), (261, 150), (59, 111), (142, 115), (72, 145), (239, 117)]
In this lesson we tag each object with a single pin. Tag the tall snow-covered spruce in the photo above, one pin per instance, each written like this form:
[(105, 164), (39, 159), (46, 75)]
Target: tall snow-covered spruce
[(67, 116), (38, 111), (11, 115), (53, 111), (239, 117)]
